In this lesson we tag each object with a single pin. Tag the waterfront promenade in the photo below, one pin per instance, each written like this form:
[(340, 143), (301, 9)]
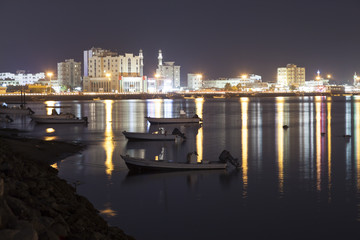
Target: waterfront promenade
[(15, 97)]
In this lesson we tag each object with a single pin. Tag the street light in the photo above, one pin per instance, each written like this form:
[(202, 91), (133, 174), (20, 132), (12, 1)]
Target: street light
[(329, 76), (244, 76), (50, 74)]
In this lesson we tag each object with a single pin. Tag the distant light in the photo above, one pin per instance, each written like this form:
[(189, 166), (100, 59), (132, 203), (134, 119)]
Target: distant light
[(50, 130), (199, 75), (244, 76), (49, 74), (108, 75), (157, 75), (328, 76)]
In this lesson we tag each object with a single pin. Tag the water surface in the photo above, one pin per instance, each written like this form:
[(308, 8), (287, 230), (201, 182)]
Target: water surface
[(297, 183)]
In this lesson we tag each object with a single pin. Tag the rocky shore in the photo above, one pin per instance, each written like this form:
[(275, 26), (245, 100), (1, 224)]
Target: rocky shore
[(36, 204)]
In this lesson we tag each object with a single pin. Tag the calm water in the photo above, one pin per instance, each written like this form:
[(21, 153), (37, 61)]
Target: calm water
[(299, 183)]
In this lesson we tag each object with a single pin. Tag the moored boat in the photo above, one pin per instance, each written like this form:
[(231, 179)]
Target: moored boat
[(143, 165), (59, 118), (160, 135), (16, 110), (182, 119)]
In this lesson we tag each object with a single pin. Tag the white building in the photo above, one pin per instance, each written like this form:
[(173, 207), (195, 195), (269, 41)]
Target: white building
[(69, 73), (245, 81), (168, 70), (194, 81), (95, 52), (20, 78), (111, 72), (356, 80), (291, 75)]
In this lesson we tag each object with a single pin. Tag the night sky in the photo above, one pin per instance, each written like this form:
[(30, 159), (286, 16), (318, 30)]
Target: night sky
[(216, 38)]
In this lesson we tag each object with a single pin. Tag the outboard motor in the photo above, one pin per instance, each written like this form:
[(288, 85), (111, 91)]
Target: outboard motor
[(176, 131), (30, 110), (225, 156), (9, 119), (86, 120), (54, 112)]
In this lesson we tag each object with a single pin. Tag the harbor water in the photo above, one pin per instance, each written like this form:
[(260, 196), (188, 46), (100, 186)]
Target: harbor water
[(300, 182)]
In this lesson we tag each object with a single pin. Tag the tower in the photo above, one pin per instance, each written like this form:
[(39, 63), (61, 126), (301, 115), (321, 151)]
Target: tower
[(160, 58), (141, 63)]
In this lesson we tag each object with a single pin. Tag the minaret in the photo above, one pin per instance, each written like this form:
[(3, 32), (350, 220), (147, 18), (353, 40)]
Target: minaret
[(355, 79), (141, 63), (160, 58)]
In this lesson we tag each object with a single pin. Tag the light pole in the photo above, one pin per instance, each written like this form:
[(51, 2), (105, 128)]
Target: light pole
[(50, 74)]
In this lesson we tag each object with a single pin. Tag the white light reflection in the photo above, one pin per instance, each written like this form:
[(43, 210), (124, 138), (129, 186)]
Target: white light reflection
[(357, 150), (348, 132), (244, 142), (280, 140), (49, 107), (108, 143), (329, 145), (256, 134), (318, 141), (200, 136)]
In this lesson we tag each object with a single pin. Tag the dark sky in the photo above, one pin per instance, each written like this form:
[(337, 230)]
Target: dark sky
[(217, 38)]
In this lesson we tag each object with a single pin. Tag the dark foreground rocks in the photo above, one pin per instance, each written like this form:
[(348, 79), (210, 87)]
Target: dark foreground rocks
[(36, 204)]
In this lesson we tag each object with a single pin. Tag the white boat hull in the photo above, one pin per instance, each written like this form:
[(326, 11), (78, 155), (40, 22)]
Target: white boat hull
[(141, 164), (173, 120), (151, 136), (14, 111), (58, 119)]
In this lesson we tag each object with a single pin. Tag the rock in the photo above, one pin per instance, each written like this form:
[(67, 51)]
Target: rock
[(36, 204), (8, 234), (1, 188), (60, 229)]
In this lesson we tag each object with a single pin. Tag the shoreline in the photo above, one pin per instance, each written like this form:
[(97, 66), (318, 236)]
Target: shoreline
[(14, 98), (35, 203)]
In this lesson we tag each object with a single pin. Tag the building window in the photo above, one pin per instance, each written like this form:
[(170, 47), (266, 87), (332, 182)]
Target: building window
[(129, 65)]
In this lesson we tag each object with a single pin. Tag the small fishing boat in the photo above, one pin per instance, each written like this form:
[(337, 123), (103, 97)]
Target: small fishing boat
[(160, 135), (182, 119), (143, 165), (16, 110), (58, 118)]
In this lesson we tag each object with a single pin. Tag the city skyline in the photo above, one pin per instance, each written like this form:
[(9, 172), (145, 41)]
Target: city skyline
[(218, 39)]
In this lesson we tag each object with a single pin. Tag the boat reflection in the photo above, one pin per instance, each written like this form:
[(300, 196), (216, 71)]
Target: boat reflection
[(190, 178)]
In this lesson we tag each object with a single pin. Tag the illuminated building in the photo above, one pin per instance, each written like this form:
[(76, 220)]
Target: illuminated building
[(319, 84), (168, 70), (69, 73), (106, 71), (291, 75), (20, 78), (356, 80), (245, 81), (194, 81)]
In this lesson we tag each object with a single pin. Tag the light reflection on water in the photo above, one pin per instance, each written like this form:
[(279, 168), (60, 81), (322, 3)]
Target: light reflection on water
[(311, 166)]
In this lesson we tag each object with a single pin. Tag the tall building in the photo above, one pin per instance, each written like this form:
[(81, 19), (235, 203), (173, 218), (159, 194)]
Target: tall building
[(107, 71), (95, 52), (168, 70), (69, 73), (291, 75), (194, 81)]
